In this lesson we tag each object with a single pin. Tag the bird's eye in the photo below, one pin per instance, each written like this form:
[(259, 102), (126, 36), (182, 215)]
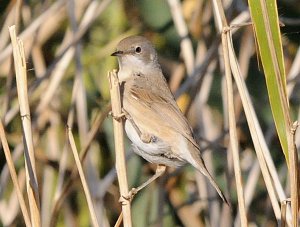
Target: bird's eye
[(138, 50)]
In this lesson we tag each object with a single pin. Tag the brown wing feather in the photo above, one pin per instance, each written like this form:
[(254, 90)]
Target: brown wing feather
[(162, 103)]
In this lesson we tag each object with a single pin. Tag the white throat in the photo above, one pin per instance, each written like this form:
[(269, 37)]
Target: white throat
[(130, 65)]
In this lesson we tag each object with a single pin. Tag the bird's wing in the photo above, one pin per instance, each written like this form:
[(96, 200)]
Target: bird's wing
[(162, 106)]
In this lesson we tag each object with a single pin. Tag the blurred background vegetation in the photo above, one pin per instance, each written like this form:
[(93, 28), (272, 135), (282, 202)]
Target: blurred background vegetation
[(68, 46)]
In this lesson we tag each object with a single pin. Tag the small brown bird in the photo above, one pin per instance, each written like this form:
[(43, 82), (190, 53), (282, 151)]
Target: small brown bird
[(158, 130)]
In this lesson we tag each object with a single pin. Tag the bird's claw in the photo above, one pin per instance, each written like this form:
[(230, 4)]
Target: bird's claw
[(117, 117), (129, 197), (147, 138)]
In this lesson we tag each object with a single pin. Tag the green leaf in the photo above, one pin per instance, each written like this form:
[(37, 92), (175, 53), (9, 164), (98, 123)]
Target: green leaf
[(266, 26)]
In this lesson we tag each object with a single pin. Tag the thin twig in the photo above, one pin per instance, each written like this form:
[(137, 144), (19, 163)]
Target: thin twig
[(119, 221), (74, 173), (82, 178), (13, 174)]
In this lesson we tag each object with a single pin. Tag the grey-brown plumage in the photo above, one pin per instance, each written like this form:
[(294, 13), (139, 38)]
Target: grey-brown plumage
[(158, 130)]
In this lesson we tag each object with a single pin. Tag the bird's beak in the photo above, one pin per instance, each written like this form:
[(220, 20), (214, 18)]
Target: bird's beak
[(117, 53)]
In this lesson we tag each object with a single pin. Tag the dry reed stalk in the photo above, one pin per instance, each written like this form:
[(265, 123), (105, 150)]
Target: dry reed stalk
[(181, 27), (293, 73), (263, 154), (55, 80), (14, 176), (233, 133), (293, 173), (255, 130), (93, 11), (31, 29), (210, 130), (13, 17), (9, 209), (64, 191), (247, 42), (82, 178), (177, 77), (119, 221), (52, 150), (249, 187), (269, 172), (283, 212), (199, 70), (225, 35), (119, 146), (21, 78), (211, 54), (244, 61), (81, 104), (67, 51), (38, 60)]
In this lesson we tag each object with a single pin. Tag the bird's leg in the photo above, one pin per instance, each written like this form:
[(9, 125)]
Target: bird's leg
[(160, 169)]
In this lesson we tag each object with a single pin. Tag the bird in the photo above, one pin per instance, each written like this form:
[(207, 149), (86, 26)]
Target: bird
[(158, 130)]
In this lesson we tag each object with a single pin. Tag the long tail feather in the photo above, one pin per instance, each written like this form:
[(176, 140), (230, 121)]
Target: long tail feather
[(205, 172), (198, 163)]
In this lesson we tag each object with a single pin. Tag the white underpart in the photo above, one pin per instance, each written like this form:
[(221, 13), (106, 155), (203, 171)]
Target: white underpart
[(152, 147), (129, 65), (184, 151)]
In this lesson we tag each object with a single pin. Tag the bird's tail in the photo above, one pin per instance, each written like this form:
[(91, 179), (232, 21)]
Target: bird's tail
[(205, 172), (198, 163)]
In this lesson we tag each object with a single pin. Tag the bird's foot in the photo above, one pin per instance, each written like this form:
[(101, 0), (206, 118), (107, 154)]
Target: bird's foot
[(147, 138), (123, 115), (129, 197)]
